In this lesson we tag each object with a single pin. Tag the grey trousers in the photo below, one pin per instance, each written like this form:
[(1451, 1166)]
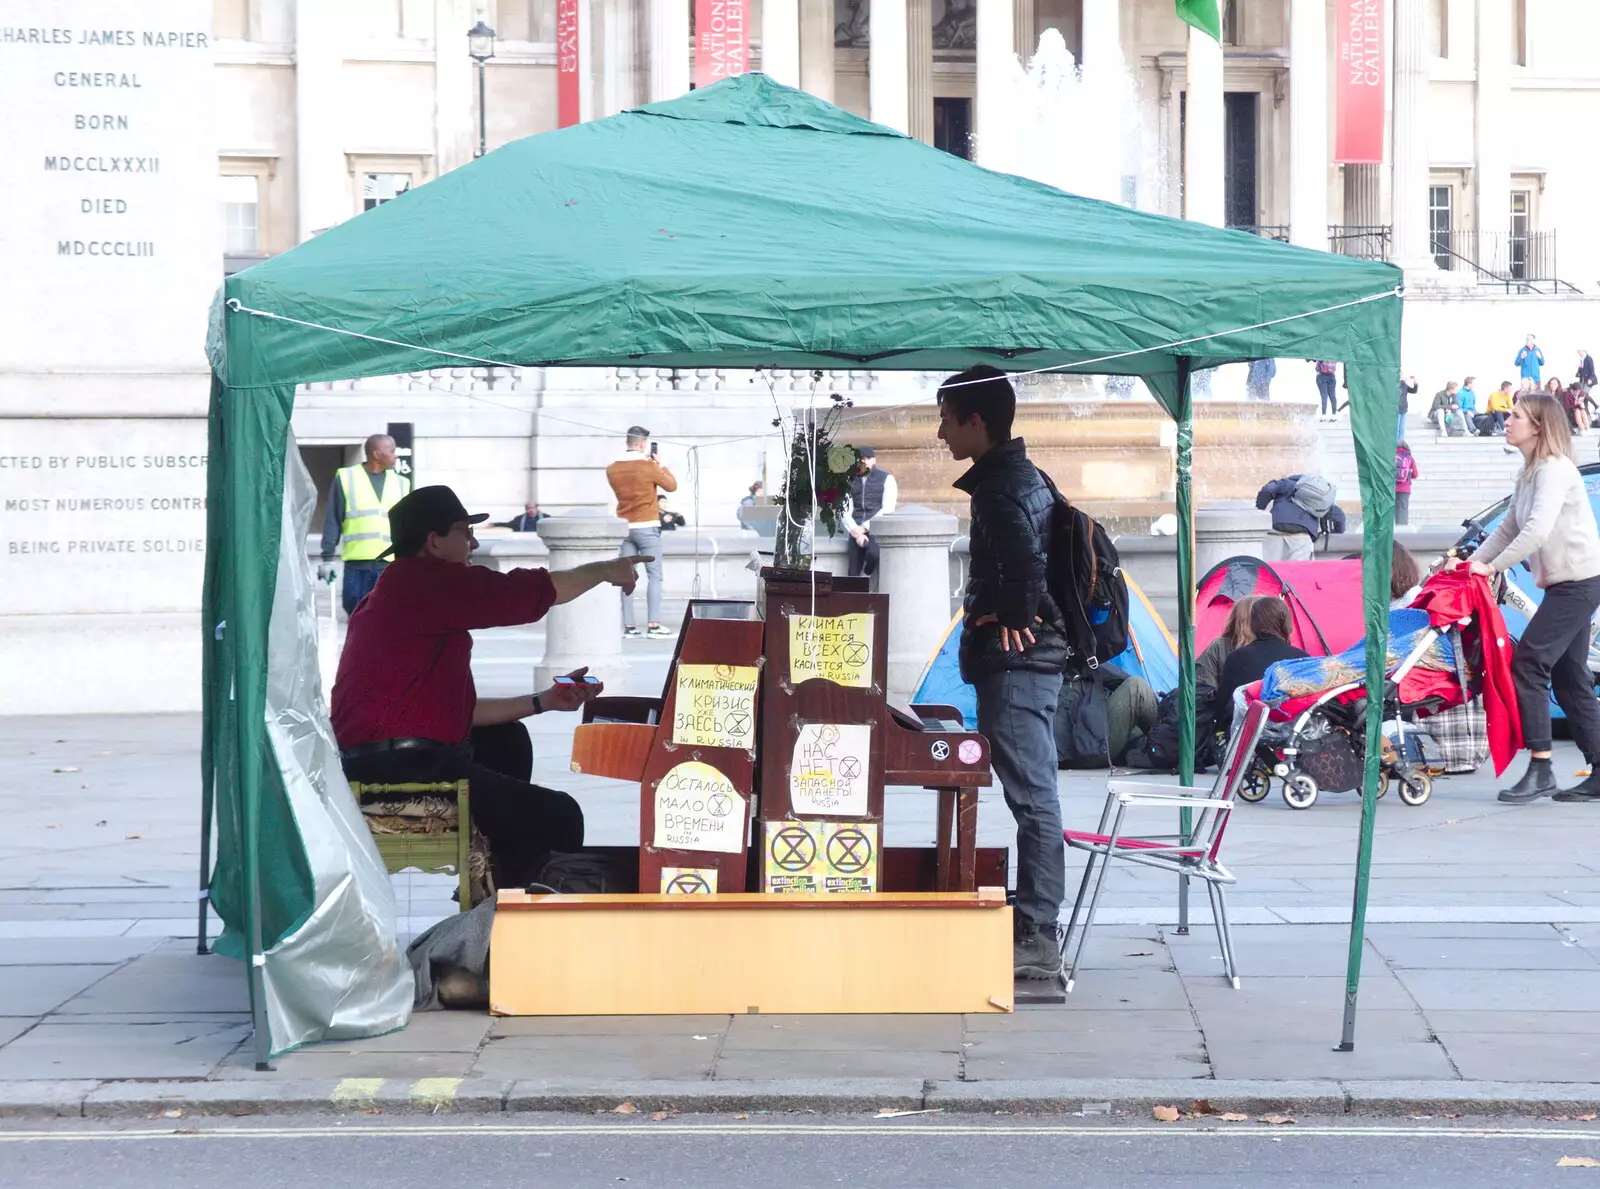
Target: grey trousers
[(1016, 713), (644, 542)]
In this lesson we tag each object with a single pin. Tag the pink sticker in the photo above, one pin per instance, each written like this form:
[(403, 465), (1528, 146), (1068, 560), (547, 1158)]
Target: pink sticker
[(970, 751)]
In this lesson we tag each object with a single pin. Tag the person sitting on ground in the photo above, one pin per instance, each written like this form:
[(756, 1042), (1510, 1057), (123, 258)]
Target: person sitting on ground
[(1501, 401), (1444, 407), (1235, 634), (1575, 400), (1405, 578), (670, 520), (1272, 625), (1132, 710), (1467, 400), (404, 706), (528, 522)]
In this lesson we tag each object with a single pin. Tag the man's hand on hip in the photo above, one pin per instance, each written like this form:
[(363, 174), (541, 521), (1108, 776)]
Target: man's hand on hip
[(1011, 639)]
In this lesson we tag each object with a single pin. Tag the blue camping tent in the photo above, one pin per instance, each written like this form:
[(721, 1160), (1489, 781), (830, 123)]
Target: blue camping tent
[(1152, 653)]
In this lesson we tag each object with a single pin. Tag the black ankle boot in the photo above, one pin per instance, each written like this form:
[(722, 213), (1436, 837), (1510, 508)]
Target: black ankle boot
[(1588, 789), (1538, 781)]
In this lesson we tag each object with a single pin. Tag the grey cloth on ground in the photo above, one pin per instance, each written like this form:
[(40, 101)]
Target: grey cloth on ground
[(460, 941)]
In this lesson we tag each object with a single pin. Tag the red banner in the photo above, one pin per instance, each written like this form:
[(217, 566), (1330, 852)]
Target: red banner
[(721, 40), (1358, 88), (567, 104)]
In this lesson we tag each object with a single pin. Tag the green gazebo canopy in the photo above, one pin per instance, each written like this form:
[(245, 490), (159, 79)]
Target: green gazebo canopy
[(743, 225)]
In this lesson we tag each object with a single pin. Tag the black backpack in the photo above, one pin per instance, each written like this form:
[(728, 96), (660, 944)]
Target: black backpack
[(1084, 574)]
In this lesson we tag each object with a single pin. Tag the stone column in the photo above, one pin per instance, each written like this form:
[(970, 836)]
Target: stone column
[(588, 630), (995, 78), (780, 41), (919, 67), (1492, 177), (620, 80), (1102, 33), (913, 569), (324, 184), (1203, 195), (455, 87), (1411, 246), (669, 49), (1308, 123), (1227, 528), (1023, 21), (816, 48), (888, 81)]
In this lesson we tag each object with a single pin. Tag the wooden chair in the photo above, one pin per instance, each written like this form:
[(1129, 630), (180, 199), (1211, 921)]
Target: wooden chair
[(432, 848)]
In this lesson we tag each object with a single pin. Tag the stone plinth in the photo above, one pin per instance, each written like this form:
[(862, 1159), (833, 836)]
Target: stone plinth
[(588, 630), (1225, 529), (913, 563)]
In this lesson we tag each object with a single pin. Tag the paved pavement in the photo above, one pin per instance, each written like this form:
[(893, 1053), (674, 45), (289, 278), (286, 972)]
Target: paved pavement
[(930, 1150), (1482, 964)]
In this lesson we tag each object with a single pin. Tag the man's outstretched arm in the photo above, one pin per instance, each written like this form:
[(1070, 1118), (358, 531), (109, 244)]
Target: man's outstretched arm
[(618, 571)]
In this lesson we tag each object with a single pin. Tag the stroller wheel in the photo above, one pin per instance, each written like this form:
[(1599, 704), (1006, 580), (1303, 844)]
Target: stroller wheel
[(1416, 786), (1257, 784), (1300, 791)]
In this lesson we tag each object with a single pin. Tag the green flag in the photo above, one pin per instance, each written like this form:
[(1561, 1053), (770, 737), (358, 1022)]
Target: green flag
[(1204, 15)]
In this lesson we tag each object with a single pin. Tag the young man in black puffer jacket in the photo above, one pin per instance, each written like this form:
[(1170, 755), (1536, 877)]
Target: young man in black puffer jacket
[(1013, 643)]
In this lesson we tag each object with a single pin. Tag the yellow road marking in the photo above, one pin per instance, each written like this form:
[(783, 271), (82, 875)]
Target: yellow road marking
[(356, 1091), (438, 1093), (762, 1129)]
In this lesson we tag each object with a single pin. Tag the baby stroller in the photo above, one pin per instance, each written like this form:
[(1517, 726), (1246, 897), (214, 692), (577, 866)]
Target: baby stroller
[(1315, 738)]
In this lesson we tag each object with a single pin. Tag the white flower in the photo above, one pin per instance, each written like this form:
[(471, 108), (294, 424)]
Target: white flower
[(842, 459)]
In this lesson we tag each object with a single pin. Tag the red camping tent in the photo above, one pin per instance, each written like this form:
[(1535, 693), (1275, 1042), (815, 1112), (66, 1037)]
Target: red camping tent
[(1324, 599)]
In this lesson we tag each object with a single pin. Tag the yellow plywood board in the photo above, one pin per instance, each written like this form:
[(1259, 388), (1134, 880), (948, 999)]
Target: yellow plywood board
[(606, 956)]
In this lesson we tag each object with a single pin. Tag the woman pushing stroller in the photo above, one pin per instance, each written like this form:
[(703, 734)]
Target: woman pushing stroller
[(1550, 524)]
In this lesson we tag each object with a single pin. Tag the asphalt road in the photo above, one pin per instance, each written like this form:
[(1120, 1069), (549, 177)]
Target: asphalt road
[(792, 1150)]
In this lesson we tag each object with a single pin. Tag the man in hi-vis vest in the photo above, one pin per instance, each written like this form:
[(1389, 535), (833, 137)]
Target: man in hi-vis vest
[(359, 500)]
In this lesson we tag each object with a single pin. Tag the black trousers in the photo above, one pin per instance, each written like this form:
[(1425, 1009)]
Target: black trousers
[(1553, 657), (863, 558), (523, 822)]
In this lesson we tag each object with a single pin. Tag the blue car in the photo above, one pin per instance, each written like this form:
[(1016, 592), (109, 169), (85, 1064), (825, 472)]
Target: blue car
[(1480, 526)]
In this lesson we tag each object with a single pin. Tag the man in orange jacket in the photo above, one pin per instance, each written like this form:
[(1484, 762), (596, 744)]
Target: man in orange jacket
[(634, 479)]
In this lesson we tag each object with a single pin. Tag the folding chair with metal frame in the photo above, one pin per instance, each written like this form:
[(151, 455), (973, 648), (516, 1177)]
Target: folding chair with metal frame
[(1196, 856)]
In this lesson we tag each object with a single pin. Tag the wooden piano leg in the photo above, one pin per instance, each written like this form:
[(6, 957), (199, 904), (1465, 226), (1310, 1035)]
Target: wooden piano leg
[(967, 841), (942, 840)]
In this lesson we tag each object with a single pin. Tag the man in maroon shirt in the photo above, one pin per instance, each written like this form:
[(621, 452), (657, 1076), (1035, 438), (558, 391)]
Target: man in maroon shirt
[(404, 706)]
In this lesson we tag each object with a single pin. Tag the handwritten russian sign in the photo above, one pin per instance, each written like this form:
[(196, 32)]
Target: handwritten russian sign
[(716, 706), (697, 808), (837, 648), (828, 769)]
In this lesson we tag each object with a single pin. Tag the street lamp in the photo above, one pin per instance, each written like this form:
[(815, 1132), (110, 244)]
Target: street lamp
[(480, 48)]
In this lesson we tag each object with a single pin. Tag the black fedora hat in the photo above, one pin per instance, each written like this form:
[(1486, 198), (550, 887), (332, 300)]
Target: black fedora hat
[(426, 510)]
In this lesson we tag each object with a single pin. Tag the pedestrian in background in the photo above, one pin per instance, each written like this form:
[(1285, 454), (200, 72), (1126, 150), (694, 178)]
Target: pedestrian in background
[(634, 479), (1408, 389), (1405, 470), (1258, 381), (1586, 375), (1529, 361), (357, 518), (1326, 392), (1549, 523)]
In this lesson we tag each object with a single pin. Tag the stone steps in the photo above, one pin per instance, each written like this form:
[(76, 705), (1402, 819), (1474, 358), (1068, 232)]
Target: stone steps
[(1459, 476)]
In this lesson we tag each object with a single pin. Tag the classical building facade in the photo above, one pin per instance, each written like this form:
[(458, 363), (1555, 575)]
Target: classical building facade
[(325, 110)]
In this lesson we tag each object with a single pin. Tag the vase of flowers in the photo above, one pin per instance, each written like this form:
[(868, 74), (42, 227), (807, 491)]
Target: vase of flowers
[(815, 485)]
